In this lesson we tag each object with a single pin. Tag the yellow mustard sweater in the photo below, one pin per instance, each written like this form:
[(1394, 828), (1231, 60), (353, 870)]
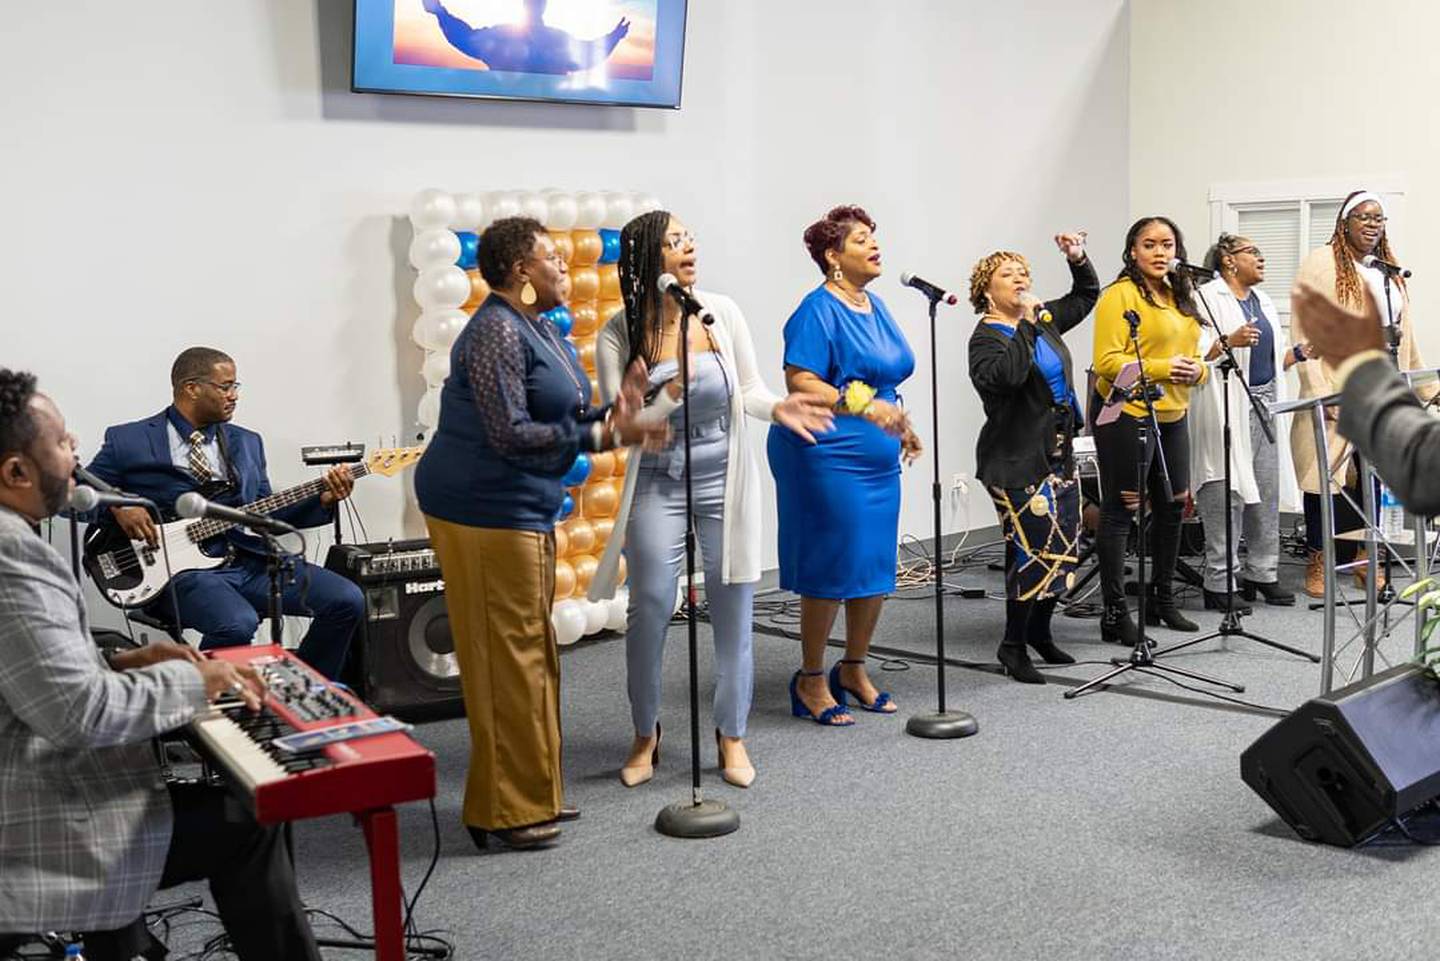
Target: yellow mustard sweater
[(1164, 333)]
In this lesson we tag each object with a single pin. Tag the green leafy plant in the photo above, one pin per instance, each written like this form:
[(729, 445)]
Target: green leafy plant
[(1426, 594)]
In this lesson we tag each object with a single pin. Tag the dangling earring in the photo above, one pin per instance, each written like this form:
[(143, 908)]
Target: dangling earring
[(837, 275), (528, 296)]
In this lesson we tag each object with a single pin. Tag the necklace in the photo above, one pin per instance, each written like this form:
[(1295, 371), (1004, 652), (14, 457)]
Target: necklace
[(548, 338), (861, 302)]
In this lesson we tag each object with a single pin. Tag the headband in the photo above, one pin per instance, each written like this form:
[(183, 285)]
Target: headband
[(1363, 197)]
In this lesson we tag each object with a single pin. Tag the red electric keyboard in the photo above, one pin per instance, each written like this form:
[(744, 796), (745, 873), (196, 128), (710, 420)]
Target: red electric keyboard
[(364, 777)]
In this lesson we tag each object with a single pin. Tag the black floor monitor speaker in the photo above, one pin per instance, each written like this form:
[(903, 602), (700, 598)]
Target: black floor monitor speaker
[(1341, 767), (402, 660)]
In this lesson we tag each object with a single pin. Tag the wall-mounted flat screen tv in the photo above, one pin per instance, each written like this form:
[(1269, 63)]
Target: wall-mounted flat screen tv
[(620, 52)]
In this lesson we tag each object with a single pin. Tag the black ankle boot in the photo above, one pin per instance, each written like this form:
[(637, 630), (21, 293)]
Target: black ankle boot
[(1016, 663), (1221, 601), (1039, 634), (1117, 627), (1272, 592), (1162, 609)]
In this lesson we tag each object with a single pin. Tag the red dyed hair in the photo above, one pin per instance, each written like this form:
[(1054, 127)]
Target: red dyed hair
[(830, 232)]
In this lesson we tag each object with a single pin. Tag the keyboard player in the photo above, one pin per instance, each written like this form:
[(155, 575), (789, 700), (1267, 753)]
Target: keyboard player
[(88, 828)]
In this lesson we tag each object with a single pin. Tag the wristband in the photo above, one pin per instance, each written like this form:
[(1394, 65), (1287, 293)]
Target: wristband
[(1298, 351)]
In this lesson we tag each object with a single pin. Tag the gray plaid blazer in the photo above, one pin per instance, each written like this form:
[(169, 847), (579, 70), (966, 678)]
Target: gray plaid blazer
[(84, 815)]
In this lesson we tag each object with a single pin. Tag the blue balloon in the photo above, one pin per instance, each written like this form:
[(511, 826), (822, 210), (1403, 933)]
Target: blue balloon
[(578, 471), (469, 248), (562, 319), (567, 507), (609, 246)]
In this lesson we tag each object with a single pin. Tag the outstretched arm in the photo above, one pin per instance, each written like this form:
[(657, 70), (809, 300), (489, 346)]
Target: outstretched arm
[(461, 35)]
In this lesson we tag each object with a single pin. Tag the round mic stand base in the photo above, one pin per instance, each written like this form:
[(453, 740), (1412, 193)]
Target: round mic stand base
[(942, 725), (701, 819)]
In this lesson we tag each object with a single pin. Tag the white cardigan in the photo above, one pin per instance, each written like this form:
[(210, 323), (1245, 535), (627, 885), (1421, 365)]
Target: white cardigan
[(740, 560), (1207, 425)]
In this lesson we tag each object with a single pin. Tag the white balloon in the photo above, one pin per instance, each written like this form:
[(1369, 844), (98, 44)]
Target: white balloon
[(503, 204), (432, 208), (442, 287), (619, 614), (568, 620), (596, 614), (563, 212), (469, 212), (437, 329), (591, 210), (428, 413), (534, 206), (644, 203), (618, 210), (434, 248), (436, 367)]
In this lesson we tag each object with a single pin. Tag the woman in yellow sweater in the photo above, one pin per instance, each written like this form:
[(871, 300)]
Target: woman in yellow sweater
[(1169, 336)]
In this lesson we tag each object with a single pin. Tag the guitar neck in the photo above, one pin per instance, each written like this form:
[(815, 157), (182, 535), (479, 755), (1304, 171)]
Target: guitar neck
[(204, 530)]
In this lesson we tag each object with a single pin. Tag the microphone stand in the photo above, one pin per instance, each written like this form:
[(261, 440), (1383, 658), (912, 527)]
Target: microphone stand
[(942, 724), (1230, 625), (700, 818), (1141, 659)]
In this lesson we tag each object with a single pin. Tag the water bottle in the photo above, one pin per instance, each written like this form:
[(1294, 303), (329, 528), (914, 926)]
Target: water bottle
[(72, 953), (1392, 513)]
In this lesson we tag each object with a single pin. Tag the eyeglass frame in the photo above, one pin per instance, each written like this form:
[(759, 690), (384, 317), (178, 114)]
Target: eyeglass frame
[(232, 388), (678, 242), (1360, 218)]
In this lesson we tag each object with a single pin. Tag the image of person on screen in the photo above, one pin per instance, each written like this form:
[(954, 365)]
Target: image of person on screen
[(528, 46)]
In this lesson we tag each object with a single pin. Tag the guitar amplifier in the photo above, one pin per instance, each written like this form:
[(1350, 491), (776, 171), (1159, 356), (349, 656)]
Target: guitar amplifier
[(402, 661)]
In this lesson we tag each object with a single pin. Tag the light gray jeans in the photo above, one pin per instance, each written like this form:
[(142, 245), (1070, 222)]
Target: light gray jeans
[(1258, 523)]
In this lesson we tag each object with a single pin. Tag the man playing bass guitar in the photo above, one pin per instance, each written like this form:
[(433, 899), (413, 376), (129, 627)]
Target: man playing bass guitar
[(192, 446)]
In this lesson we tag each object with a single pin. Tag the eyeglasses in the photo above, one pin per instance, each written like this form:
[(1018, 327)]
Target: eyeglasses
[(678, 242), (233, 387), (1252, 251), (1369, 218)]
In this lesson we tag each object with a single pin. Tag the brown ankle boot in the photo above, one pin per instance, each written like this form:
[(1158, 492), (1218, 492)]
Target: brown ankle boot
[(1362, 571), (1315, 575)]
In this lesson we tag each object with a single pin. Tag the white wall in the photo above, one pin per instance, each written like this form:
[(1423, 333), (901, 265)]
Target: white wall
[(199, 173), (1231, 90)]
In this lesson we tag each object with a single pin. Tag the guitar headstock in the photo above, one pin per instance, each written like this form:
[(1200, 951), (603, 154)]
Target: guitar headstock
[(389, 461)]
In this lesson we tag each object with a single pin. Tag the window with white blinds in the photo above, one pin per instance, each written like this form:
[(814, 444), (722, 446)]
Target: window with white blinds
[(1276, 231)]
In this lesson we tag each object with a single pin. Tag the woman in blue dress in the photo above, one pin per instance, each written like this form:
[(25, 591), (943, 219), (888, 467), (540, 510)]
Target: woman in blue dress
[(839, 498)]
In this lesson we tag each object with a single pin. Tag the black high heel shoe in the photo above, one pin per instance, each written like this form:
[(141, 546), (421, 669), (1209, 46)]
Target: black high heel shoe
[(1016, 663), (1221, 601), (1162, 609), (1272, 592)]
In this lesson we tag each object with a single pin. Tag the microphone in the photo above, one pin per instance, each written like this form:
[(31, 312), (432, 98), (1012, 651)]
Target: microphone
[(1042, 313), (669, 285), (83, 476), (192, 505), (1394, 270), (84, 499), (929, 289), (1177, 265)]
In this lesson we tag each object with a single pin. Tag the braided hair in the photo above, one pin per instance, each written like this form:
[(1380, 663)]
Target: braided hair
[(1180, 286), (18, 428), (642, 243), (1348, 289)]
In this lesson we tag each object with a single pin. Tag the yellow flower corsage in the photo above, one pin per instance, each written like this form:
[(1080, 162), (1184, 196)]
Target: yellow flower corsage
[(857, 397)]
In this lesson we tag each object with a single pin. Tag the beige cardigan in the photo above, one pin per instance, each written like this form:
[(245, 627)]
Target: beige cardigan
[(741, 548), (1317, 378)]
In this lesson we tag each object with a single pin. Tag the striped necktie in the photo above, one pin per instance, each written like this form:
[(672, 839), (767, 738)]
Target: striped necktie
[(199, 463)]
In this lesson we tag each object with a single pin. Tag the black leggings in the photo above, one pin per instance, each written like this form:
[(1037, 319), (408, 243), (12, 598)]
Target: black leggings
[(1347, 518), (1117, 449)]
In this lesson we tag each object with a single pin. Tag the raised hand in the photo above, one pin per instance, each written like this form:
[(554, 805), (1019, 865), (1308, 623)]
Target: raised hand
[(621, 31), (1072, 245), (1336, 333), (805, 414)]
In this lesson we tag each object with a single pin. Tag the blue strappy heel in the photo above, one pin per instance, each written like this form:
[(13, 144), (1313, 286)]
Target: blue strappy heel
[(839, 691), (826, 718)]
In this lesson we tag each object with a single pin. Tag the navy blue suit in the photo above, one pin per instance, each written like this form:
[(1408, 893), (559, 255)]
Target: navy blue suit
[(226, 604)]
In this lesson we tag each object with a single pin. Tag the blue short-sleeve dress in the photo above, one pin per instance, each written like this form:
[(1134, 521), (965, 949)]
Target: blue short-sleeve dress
[(839, 499)]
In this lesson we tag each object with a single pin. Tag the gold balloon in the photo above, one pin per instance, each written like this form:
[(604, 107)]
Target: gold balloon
[(602, 465), (582, 536), (608, 308), (479, 290), (600, 501), (585, 566), (586, 349), (587, 321), (584, 283), (564, 244), (609, 281), (595, 392), (622, 458), (562, 540), (603, 529), (588, 248), (564, 579)]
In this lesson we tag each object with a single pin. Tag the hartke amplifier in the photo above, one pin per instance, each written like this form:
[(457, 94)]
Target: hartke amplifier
[(402, 660), (1341, 767)]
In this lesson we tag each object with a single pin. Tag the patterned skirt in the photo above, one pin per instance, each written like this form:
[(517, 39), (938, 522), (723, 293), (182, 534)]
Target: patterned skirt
[(1042, 525)]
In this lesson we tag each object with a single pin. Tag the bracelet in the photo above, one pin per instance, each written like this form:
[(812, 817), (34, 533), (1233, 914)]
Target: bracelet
[(1298, 352)]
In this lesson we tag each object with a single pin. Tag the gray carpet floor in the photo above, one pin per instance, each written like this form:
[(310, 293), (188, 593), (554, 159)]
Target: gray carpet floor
[(1111, 826)]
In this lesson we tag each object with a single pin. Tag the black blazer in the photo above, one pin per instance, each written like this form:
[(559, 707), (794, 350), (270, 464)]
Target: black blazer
[(1020, 422)]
